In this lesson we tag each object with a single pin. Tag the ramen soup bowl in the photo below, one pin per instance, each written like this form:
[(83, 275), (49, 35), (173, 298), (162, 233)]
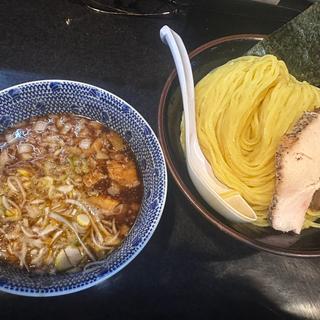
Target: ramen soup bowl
[(40, 98), (204, 59)]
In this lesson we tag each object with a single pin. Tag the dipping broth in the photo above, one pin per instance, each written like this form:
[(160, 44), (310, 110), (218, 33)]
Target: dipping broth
[(70, 191)]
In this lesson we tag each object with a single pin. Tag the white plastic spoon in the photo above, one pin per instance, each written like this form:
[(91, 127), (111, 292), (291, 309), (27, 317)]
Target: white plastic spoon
[(234, 208)]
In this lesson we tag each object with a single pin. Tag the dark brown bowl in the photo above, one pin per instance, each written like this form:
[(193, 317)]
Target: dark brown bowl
[(203, 60)]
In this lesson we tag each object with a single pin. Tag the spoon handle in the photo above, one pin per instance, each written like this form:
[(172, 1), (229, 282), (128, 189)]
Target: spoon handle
[(184, 71)]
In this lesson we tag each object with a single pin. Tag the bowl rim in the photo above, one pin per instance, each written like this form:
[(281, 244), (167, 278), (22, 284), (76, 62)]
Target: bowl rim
[(106, 275), (184, 187)]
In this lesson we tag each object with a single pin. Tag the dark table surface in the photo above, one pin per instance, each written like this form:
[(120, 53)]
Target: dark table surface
[(189, 269)]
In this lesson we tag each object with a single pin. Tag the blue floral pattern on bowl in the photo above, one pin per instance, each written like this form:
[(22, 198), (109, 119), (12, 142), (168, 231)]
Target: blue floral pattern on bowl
[(42, 97)]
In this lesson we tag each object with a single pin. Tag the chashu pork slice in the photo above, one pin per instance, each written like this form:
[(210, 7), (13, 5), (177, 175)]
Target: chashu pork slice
[(297, 174)]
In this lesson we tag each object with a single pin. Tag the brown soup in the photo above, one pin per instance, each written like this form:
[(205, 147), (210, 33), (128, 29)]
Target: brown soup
[(70, 191)]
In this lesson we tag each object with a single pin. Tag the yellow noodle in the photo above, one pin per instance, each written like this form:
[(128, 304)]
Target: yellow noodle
[(243, 108), (228, 194)]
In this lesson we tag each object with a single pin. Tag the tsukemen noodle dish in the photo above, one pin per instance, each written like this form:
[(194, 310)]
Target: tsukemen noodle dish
[(259, 128), (70, 190)]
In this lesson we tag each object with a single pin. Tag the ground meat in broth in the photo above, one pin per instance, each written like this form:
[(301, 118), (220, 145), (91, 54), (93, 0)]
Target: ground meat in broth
[(70, 191)]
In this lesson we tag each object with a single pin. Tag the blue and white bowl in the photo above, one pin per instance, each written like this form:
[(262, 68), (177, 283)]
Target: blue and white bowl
[(56, 96)]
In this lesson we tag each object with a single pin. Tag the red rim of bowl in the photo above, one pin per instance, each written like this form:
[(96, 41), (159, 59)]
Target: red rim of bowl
[(183, 186)]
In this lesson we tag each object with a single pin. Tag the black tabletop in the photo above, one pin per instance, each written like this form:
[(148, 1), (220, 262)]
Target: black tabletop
[(189, 269)]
